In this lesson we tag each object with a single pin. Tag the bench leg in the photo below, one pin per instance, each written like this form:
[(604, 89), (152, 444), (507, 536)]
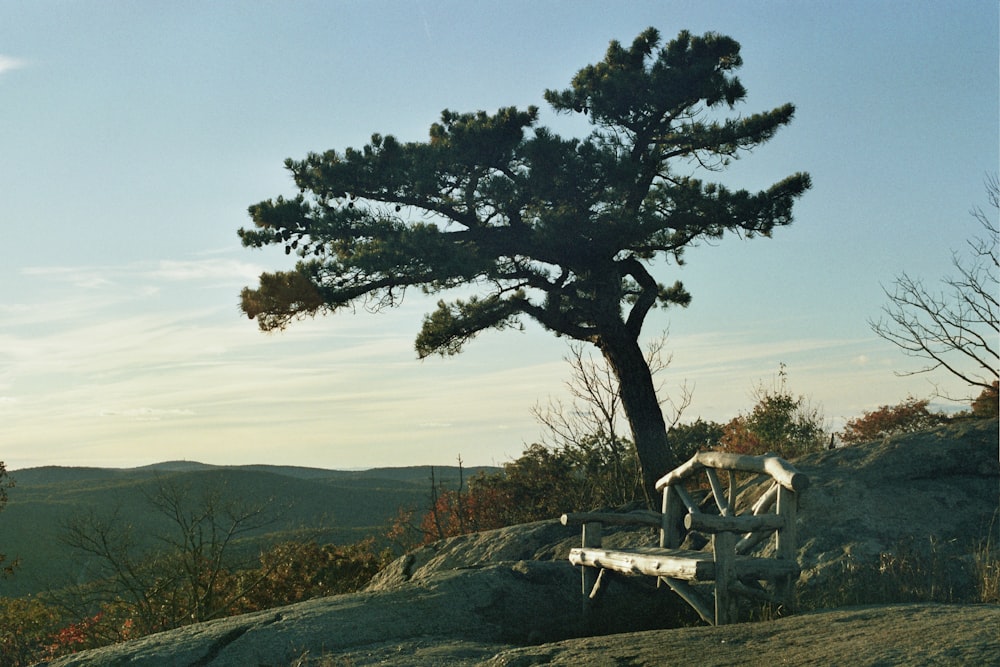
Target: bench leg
[(592, 537), (785, 541), (724, 546), (591, 580), (692, 597)]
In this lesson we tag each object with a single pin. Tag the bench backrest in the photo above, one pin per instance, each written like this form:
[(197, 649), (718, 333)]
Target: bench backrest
[(783, 480)]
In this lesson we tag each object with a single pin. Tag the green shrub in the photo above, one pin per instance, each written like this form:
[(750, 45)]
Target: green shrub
[(779, 423), (687, 439), (295, 571), (26, 629)]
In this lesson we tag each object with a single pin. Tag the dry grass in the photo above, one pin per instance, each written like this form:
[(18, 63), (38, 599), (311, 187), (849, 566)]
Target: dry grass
[(912, 572), (986, 565), (322, 660)]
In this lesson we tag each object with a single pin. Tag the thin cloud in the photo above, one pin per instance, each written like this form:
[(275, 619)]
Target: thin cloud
[(8, 63), (226, 270), (84, 277), (57, 271), (215, 270), (147, 414)]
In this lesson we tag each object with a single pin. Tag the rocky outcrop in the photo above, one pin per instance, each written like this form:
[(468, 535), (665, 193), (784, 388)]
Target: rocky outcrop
[(928, 493), (465, 600), (916, 634), (540, 541), (484, 609)]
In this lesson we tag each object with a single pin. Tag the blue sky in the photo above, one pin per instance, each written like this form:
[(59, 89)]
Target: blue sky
[(133, 136)]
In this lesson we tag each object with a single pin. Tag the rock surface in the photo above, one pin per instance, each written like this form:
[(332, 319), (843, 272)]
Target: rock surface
[(481, 610), (509, 597), (934, 491), (883, 635)]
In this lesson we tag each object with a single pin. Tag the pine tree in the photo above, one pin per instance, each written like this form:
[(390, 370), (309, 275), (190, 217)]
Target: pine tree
[(565, 231)]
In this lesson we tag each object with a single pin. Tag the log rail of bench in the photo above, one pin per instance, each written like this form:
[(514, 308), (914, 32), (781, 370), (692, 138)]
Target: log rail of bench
[(678, 563), (780, 470)]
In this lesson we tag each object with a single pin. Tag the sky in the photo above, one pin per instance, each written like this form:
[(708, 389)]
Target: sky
[(134, 135)]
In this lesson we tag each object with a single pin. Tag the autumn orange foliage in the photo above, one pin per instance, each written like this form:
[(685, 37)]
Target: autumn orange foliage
[(905, 417), (541, 484)]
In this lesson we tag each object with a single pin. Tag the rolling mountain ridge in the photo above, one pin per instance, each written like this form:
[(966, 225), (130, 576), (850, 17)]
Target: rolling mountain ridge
[(328, 505)]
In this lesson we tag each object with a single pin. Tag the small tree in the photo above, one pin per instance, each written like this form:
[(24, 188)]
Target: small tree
[(696, 436), (906, 417), (205, 533), (6, 568), (779, 423), (291, 572), (567, 232), (188, 578), (402, 532), (956, 329), (541, 484), (26, 627), (587, 430)]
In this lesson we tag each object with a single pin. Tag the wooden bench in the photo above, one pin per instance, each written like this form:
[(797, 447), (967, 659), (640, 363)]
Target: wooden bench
[(728, 565)]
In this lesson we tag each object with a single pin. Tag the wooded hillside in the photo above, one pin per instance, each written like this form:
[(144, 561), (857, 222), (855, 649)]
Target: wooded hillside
[(335, 505)]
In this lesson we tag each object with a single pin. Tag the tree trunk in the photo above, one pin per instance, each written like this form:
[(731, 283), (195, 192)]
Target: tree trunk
[(642, 408)]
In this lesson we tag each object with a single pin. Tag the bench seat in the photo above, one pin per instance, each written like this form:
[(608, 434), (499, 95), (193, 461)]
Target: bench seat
[(677, 563)]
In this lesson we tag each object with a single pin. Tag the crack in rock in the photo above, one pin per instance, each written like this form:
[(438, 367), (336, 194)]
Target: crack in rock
[(219, 644), (225, 640)]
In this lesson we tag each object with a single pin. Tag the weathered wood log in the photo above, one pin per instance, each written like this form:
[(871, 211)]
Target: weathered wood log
[(592, 537), (766, 501), (686, 498), (787, 506), (784, 547), (638, 517), (747, 523), (677, 563), (732, 489), (749, 542), (673, 510), (782, 471), (687, 593), (598, 588), (723, 548), (718, 492), (763, 505)]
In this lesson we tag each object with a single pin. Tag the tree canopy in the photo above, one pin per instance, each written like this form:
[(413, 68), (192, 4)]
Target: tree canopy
[(564, 231)]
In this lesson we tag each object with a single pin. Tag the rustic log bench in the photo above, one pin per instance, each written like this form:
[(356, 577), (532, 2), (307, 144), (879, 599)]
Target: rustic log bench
[(728, 566)]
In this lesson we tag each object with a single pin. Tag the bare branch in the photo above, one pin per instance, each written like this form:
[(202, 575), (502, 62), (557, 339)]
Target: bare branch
[(596, 406), (956, 329)]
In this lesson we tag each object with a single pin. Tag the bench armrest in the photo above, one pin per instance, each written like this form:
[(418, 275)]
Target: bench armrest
[(780, 470)]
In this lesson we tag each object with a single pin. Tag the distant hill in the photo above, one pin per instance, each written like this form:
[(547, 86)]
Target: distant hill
[(339, 506), (176, 466)]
